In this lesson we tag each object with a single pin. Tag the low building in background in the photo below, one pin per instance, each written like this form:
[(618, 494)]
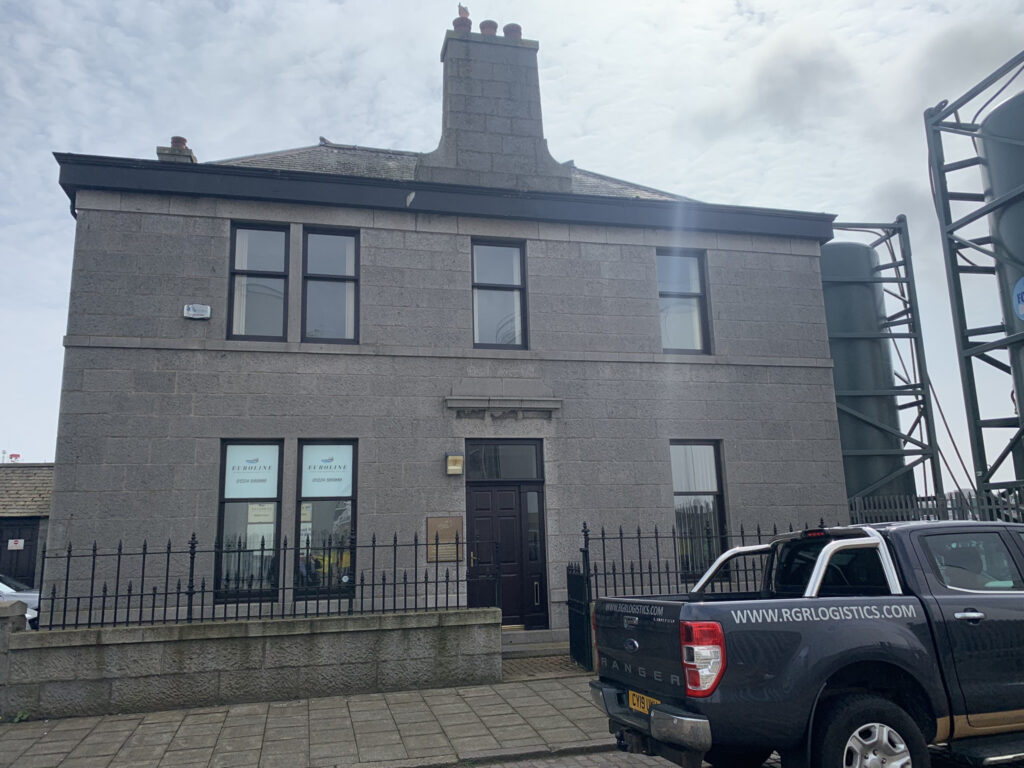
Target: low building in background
[(26, 492)]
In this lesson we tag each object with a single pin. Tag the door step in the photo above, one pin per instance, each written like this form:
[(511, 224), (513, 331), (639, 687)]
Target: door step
[(989, 750), (524, 644)]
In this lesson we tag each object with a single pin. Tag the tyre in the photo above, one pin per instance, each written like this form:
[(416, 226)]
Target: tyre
[(868, 731), (723, 758)]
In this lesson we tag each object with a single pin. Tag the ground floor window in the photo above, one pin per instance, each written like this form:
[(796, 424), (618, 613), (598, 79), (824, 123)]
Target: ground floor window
[(699, 511), (326, 513), (250, 510)]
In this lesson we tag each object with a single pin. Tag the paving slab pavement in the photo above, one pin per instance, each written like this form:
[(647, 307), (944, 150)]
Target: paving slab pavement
[(528, 718)]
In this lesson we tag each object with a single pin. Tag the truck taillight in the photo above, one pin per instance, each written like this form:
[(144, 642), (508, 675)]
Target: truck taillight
[(593, 637), (703, 647)]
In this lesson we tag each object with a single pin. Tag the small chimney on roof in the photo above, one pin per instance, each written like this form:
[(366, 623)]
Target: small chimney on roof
[(178, 152), (492, 134)]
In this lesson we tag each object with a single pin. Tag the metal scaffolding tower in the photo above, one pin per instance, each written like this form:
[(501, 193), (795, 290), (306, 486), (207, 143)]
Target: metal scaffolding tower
[(968, 252)]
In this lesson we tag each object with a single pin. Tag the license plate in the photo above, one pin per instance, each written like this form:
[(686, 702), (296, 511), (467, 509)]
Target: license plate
[(641, 703)]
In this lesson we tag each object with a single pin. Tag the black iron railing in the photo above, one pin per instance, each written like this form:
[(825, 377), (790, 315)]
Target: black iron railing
[(663, 562), (168, 584)]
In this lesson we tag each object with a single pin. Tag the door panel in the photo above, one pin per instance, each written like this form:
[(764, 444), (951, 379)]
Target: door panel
[(500, 553), (535, 601), (980, 593), (19, 563)]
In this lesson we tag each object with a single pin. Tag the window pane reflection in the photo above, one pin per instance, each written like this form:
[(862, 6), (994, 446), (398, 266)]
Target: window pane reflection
[(330, 310), (497, 317), (681, 323), (259, 306)]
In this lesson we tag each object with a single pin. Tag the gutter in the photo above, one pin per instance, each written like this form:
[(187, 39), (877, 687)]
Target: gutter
[(117, 174)]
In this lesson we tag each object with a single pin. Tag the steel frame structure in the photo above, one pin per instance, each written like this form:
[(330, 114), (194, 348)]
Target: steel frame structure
[(965, 255), (902, 327)]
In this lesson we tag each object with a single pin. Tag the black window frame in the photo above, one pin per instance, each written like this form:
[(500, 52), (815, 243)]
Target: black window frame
[(719, 537), (233, 272), (521, 289), (307, 277), (270, 591), (300, 545), (701, 297)]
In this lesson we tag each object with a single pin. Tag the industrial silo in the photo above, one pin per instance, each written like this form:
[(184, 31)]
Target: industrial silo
[(869, 425), (1001, 148)]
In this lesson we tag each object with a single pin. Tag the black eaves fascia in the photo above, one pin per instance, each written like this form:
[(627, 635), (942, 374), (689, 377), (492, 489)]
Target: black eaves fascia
[(115, 174)]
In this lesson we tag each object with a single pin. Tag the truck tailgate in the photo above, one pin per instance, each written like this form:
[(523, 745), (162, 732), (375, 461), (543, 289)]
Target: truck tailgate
[(638, 644)]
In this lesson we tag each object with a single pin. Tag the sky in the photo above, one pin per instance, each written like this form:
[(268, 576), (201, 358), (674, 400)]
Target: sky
[(787, 104)]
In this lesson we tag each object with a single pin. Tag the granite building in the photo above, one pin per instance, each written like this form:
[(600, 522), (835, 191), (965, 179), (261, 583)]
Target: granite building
[(477, 339)]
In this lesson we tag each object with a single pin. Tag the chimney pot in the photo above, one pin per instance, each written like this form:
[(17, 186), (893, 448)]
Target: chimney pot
[(179, 142), (462, 25), (513, 31), (489, 27)]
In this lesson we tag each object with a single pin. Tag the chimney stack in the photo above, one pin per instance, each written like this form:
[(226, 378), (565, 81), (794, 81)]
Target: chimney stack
[(178, 152), (492, 134)]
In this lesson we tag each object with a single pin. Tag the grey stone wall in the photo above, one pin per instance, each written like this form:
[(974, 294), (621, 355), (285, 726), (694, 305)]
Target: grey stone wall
[(148, 395), (136, 669)]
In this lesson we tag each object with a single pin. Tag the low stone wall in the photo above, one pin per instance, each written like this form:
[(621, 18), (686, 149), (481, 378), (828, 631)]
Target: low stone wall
[(134, 669)]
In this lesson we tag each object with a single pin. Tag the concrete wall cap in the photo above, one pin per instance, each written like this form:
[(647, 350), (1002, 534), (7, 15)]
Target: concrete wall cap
[(108, 636), (10, 608)]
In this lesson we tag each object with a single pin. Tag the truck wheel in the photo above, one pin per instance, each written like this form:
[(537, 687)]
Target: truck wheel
[(867, 731), (723, 758)]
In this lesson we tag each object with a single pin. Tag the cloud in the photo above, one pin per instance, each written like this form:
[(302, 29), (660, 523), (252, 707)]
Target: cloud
[(790, 104)]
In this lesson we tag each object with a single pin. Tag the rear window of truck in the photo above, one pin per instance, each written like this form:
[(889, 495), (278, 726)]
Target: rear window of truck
[(850, 572)]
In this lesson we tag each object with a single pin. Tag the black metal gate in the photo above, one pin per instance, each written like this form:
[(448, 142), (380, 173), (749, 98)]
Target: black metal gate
[(578, 600)]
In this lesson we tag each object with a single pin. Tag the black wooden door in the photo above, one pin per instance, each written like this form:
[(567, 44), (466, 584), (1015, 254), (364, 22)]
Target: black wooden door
[(506, 551), (18, 540)]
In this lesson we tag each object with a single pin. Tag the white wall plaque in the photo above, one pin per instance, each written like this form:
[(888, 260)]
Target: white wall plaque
[(197, 311)]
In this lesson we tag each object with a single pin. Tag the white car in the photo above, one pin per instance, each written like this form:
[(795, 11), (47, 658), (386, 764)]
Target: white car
[(12, 589)]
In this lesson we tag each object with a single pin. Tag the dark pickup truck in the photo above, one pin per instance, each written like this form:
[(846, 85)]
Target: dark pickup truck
[(871, 646)]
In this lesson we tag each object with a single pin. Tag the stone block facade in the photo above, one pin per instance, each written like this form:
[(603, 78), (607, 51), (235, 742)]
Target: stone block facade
[(149, 395), (633, 416)]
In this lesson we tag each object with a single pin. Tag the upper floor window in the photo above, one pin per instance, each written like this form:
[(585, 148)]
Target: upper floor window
[(259, 282), (683, 299), (499, 296), (330, 286)]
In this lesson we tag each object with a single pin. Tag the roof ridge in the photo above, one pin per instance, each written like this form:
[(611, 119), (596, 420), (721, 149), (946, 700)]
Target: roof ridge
[(630, 183), (328, 143), (322, 143)]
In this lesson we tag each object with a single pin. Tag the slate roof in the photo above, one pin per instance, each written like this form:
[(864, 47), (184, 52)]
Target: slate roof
[(25, 490), (396, 165)]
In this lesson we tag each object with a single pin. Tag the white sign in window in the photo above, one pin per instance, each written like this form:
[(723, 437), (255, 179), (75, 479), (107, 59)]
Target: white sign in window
[(250, 472), (326, 471)]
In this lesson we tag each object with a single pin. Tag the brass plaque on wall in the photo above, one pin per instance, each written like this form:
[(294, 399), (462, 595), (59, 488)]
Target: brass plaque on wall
[(441, 533)]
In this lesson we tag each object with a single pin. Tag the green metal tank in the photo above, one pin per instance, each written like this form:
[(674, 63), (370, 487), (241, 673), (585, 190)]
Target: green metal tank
[(1001, 148), (856, 306)]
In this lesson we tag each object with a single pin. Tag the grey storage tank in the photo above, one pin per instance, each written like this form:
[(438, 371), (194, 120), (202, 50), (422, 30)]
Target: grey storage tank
[(1001, 148), (855, 314)]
